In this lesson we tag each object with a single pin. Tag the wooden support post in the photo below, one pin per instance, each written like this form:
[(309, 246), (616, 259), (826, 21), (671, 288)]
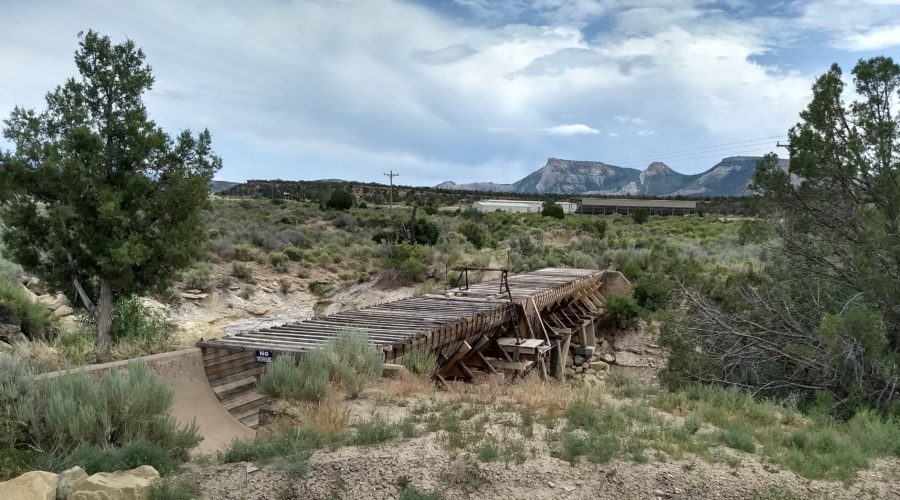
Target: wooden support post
[(564, 352), (589, 334)]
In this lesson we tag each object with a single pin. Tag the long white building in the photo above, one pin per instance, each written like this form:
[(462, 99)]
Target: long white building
[(519, 206)]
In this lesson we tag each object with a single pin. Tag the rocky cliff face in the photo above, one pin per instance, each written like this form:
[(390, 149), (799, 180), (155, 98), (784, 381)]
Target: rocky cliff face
[(476, 186), (730, 177), (569, 176)]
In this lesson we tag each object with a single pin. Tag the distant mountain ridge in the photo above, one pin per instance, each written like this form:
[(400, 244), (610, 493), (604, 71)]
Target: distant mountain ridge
[(729, 177), (219, 186)]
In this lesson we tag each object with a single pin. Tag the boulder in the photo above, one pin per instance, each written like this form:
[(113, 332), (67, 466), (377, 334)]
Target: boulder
[(193, 296), (392, 370), (63, 311), (154, 305), (600, 366), (608, 358), (11, 333), (53, 302), (66, 479), (131, 484), (36, 485), (35, 285), (31, 295)]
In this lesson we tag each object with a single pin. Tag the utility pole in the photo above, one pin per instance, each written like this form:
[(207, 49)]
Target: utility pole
[(391, 192)]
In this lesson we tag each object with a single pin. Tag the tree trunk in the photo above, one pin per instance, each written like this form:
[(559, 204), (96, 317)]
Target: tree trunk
[(104, 317), (412, 226)]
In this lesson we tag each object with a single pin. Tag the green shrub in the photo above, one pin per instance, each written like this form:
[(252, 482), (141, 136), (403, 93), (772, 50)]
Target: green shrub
[(357, 363), (427, 232), (319, 288), (552, 209), (754, 231), (374, 431), (407, 258), (281, 378), (293, 253), (175, 489), (580, 260), (385, 236), (315, 373), (278, 259), (133, 454), (291, 446), (419, 360), (475, 233), (640, 216), (286, 378), (242, 272), (409, 491), (737, 437), (622, 309), (10, 271), (121, 421), (244, 252), (582, 413), (15, 379), (17, 307), (692, 423), (132, 320), (488, 451), (198, 279), (652, 291), (340, 200)]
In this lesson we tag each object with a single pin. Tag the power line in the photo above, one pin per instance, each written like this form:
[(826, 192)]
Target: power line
[(698, 149), (391, 176), (759, 151)]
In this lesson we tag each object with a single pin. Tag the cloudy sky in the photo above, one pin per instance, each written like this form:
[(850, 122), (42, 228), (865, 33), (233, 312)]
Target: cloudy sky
[(464, 90)]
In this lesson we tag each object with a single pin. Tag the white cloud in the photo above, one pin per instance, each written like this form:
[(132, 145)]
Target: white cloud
[(859, 25), (876, 39), (328, 89), (573, 129), (629, 119)]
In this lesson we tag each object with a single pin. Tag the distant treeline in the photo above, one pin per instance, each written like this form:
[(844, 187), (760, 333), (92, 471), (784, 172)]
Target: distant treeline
[(379, 194)]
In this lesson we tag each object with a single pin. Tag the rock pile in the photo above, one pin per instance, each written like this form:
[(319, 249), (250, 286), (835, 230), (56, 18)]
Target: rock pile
[(75, 484), (588, 371), (57, 303)]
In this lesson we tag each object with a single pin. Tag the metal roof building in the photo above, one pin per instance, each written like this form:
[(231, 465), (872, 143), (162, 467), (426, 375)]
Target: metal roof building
[(519, 206), (607, 206)]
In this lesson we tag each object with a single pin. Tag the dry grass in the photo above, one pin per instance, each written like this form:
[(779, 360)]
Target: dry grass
[(40, 356), (540, 395), (328, 417), (531, 393), (405, 386)]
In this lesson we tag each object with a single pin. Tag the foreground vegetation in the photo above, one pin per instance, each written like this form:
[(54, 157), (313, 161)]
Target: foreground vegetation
[(626, 421), (118, 421)]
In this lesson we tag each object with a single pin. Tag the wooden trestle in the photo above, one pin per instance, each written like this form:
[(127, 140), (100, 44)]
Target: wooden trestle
[(496, 326)]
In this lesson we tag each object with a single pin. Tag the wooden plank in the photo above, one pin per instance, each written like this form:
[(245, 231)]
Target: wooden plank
[(520, 366)]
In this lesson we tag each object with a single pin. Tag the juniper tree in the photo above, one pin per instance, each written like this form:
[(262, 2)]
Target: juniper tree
[(96, 198), (825, 318), (840, 217)]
